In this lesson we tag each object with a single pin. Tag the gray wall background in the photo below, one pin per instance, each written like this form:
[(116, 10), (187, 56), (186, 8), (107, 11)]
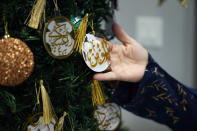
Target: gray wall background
[(176, 55)]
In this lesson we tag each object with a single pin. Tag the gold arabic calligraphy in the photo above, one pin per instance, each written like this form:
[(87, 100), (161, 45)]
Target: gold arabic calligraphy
[(99, 52), (59, 37), (107, 117)]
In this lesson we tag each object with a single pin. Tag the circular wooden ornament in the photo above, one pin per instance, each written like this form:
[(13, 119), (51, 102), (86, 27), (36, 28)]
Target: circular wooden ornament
[(58, 37), (108, 116), (16, 61), (35, 123), (95, 53)]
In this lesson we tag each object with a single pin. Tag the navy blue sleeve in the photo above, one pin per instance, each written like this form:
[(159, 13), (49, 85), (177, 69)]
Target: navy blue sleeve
[(161, 98)]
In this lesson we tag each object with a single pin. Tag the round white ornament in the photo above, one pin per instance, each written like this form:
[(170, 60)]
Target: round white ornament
[(58, 37), (95, 53), (108, 116), (35, 123), (39, 126)]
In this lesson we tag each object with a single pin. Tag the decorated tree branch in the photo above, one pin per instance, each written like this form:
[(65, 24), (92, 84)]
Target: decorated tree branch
[(48, 55)]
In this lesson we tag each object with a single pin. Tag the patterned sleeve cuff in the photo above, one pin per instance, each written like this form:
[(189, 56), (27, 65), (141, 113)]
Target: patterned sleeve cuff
[(127, 92), (159, 97)]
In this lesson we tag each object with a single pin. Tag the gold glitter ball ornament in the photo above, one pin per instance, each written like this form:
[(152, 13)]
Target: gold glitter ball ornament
[(16, 62)]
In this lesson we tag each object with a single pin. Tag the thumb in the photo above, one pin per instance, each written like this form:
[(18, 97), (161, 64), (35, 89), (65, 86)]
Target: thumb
[(121, 34), (105, 76)]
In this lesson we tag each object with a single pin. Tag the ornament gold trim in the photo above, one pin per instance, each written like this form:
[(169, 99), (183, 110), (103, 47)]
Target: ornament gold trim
[(44, 37), (33, 118), (117, 125)]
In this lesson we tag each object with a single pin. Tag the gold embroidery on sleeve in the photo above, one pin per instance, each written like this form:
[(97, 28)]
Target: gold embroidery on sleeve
[(163, 97), (170, 112), (142, 91), (151, 113), (181, 91), (184, 102), (158, 73), (158, 85)]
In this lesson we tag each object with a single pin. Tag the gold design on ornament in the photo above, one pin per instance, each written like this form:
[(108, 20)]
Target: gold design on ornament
[(100, 56), (99, 117), (109, 117), (34, 122), (60, 34)]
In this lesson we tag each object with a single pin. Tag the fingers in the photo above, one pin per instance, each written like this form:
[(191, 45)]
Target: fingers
[(121, 34), (105, 76)]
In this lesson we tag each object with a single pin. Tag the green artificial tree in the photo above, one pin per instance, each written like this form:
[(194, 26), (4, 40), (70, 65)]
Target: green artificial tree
[(67, 81)]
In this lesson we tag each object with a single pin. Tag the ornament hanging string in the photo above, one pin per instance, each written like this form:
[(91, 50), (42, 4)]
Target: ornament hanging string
[(71, 122), (37, 14), (37, 90), (56, 5), (97, 94), (5, 27), (80, 34), (92, 27), (37, 94), (61, 122)]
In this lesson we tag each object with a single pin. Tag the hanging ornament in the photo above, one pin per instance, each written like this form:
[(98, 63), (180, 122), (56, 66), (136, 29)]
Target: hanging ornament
[(16, 60), (37, 14), (43, 121), (96, 53), (108, 115), (46, 120), (58, 36), (35, 123)]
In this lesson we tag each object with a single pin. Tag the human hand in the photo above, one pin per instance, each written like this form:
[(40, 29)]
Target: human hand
[(127, 61)]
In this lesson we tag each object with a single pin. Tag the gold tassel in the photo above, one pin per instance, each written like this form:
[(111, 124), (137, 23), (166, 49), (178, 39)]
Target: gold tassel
[(183, 3), (36, 14), (61, 122), (47, 107), (97, 94), (80, 34)]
